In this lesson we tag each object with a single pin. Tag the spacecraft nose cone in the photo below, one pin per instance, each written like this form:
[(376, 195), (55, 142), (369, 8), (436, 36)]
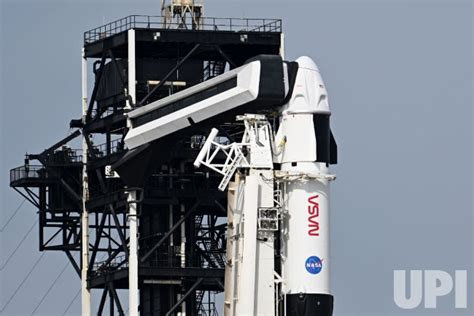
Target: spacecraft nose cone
[(308, 63)]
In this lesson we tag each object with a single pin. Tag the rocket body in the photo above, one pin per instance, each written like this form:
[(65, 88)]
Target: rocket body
[(304, 159), (279, 249), (307, 262)]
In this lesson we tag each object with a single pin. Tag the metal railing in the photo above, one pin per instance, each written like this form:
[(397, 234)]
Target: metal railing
[(158, 22), (119, 262), (28, 172), (65, 156), (208, 309), (100, 151)]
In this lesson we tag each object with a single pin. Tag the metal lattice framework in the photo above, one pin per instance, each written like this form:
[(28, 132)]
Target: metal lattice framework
[(181, 214)]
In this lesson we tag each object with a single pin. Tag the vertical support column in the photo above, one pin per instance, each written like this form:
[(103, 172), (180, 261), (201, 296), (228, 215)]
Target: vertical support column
[(183, 243), (132, 195), (42, 216), (282, 45), (111, 304), (132, 77), (85, 291), (170, 208), (133, 253), (172, 289)]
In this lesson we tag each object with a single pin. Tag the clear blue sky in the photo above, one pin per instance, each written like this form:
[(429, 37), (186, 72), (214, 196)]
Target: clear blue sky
[(399, 75)]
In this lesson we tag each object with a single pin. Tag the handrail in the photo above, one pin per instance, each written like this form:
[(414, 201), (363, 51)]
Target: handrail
[(28, 172), (99, 151), (158, 22)]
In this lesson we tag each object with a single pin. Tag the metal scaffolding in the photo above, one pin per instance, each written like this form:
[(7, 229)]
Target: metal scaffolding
[(163, 239)]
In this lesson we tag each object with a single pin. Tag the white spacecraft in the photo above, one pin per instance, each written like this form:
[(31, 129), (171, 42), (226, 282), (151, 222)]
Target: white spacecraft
[(277, 178)]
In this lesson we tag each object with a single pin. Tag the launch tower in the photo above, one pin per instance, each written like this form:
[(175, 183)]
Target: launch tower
[(176, 212)]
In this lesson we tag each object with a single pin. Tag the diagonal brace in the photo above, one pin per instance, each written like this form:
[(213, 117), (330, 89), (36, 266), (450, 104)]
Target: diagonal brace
[(168, 234)]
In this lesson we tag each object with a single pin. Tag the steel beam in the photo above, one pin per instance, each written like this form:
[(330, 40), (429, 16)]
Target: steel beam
[(68, 138), (133, 253), (73, 262), (96, 87), (185, 296), (169, 74), (226, 57), (98, 236), (132, 76), (102, 301), (119, 230), (170, 232), (113, 292)]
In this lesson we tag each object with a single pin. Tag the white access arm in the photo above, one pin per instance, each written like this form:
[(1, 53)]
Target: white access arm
[(206, 100)]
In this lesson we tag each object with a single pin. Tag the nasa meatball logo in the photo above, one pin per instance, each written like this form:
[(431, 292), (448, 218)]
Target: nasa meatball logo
[(314, 265)]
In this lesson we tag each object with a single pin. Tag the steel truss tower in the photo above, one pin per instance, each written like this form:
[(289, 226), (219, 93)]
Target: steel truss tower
[(175, 211)]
